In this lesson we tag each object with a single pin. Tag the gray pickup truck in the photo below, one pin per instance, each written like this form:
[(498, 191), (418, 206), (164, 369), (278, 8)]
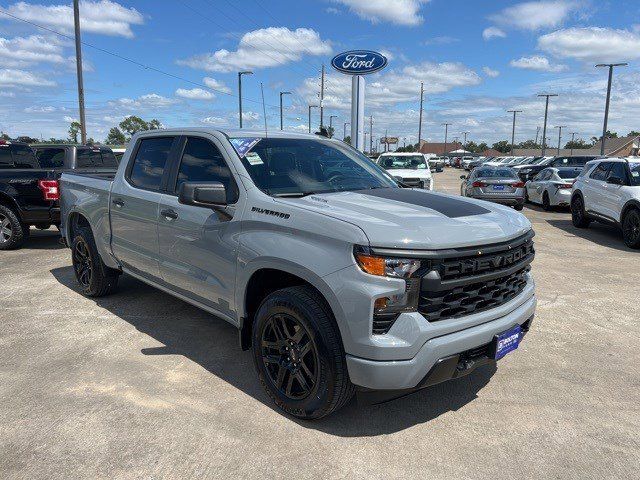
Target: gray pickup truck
[(337, 278)]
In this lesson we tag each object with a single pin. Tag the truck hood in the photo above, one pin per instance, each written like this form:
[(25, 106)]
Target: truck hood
[(409, 173), (418, 219)]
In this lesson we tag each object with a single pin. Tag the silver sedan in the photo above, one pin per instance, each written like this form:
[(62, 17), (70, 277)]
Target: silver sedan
[(495, 184), (552, 186)]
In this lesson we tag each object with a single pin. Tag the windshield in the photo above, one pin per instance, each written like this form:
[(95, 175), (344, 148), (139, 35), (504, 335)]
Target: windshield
[(486, 172), (635, 173), (297, 167), (565, 174), (411, 162)]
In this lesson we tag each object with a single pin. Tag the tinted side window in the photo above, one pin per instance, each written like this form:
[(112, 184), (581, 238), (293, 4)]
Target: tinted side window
[(109, 159), (50, 157), (600, 172), (6, 160), (618, 169), (203, 162), (24, 156), (88, 157), (148, 165)]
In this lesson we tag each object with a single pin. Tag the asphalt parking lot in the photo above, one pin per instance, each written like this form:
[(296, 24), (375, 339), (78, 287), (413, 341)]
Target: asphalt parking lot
[(142, 385)]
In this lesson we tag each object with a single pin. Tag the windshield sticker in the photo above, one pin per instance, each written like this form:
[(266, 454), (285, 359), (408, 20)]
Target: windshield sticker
[(243, 145), (253, 158)]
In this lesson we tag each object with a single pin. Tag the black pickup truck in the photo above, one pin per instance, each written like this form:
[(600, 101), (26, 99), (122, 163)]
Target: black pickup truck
[(29, 189)]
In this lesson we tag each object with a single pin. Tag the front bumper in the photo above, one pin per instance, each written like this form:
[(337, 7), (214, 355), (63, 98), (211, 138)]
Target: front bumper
[(437, 360), (562, 198)]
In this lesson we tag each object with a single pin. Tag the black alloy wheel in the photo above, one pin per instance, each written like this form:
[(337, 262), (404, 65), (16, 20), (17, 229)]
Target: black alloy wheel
[(290, 356), (578, 216), (82, 263), (631, 229), (6, 232)]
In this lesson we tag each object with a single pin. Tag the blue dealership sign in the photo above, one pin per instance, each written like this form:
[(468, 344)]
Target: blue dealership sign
[(359, 62)]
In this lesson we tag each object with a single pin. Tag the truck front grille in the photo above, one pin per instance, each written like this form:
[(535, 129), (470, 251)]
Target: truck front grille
[(471, 280)]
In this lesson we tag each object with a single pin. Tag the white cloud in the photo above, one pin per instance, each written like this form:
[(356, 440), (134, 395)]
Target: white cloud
[(69, 119), (489, 72), (333, 11), (40, 109), (25, 51), (493, 32), (536, 62), (104, 16), (20, 78), (442, 40), (216, 85), (536, 15), (215, 121), (267, 47), (592, 44), (195, 94), (400, 12), (150, 100)]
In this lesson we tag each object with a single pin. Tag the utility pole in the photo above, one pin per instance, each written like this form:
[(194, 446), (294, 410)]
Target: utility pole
[(546, 112), (365, 142), (404, 142), (420, 121), (464, 145), (537, 133), (446, 131), (573, 139), (281, 94), (386, 139), (246, 72), (560, 127), (331, 117), (606, 108), (76, 24), (513, 128), (344, 130), (322, 97), (310, 107), (371, 133)]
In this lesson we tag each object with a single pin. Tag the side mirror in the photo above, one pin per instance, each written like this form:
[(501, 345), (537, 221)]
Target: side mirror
[(615, 181), (202, 194)]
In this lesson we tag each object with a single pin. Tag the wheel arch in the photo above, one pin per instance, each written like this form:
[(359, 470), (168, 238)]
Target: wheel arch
[(630, 205), (8, 201)]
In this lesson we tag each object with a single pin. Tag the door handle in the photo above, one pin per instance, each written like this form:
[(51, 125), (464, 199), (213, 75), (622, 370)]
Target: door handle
[(118, 203), (169, 214)]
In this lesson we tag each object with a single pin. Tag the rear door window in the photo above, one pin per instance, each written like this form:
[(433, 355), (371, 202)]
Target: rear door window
[(50, 157), (88, 157), (600, 172), (108, 159), (618, 169), (149, 163), (24, 156)]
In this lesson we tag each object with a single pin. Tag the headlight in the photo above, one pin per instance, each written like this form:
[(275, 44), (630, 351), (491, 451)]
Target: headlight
[(401, 268)]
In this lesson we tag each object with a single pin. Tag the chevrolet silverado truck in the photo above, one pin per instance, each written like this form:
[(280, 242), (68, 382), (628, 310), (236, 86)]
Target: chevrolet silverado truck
[(336, 278)]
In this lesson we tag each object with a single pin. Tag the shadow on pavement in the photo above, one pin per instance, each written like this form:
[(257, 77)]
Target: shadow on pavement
[(213, 344), (43, 240), (599, 233)]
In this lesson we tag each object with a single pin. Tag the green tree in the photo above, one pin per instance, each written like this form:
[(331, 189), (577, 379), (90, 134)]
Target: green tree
[(154, 124), (633, 133), (133, 124), (115, 137), (74, 130), (577, 144), (347, 139), (529, 144), (4, 136), (482, 147), (502, 146)]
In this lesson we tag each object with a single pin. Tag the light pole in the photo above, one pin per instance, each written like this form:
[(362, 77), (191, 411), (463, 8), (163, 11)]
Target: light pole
[(513, 128), (546, 111), (420, 124), (76, 23), (464, 145), (559, 127), (404, 142), (446, 131), (573, 138), (281, 94), (370, 132), (344, 130), (331, 117), (606, 108), (365, 142), (310, 107), (246, 72)]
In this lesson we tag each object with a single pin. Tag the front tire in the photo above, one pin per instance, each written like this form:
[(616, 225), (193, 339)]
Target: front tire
[(631, 229), (578, 215), (298, 354), (93, 276), (12, 233)]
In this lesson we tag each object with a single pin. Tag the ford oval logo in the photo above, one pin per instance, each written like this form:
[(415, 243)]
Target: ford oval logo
[(359, 62)]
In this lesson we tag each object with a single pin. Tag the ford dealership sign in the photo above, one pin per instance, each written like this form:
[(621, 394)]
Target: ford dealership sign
[(359, 62)]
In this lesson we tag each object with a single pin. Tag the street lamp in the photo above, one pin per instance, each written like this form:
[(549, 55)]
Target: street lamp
[(331, 117), (246, 72), (606, 108), (573, 139), (344, 130), (446, 131), (281, 94), (464, 145), (546, 111), (513, 128), (559, 127), (310, 107)]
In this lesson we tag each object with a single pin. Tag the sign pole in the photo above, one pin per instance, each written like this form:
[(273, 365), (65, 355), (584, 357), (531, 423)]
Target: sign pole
[(357, 112)]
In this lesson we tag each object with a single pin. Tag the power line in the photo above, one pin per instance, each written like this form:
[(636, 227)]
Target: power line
[(130, 60)]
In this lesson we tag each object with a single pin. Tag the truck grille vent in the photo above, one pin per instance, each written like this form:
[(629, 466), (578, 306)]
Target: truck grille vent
[(382, 323), (468, 299)]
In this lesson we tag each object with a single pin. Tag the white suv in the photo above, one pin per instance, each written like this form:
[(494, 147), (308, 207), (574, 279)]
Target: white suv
[(608, 190)]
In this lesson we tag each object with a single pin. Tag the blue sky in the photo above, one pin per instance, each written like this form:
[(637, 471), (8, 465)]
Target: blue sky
[(477, 59)]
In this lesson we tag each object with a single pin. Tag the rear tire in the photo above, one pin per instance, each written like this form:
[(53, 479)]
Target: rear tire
[(298, 354), (12, 233), (93, 276), (631, 229), (578, 215)]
